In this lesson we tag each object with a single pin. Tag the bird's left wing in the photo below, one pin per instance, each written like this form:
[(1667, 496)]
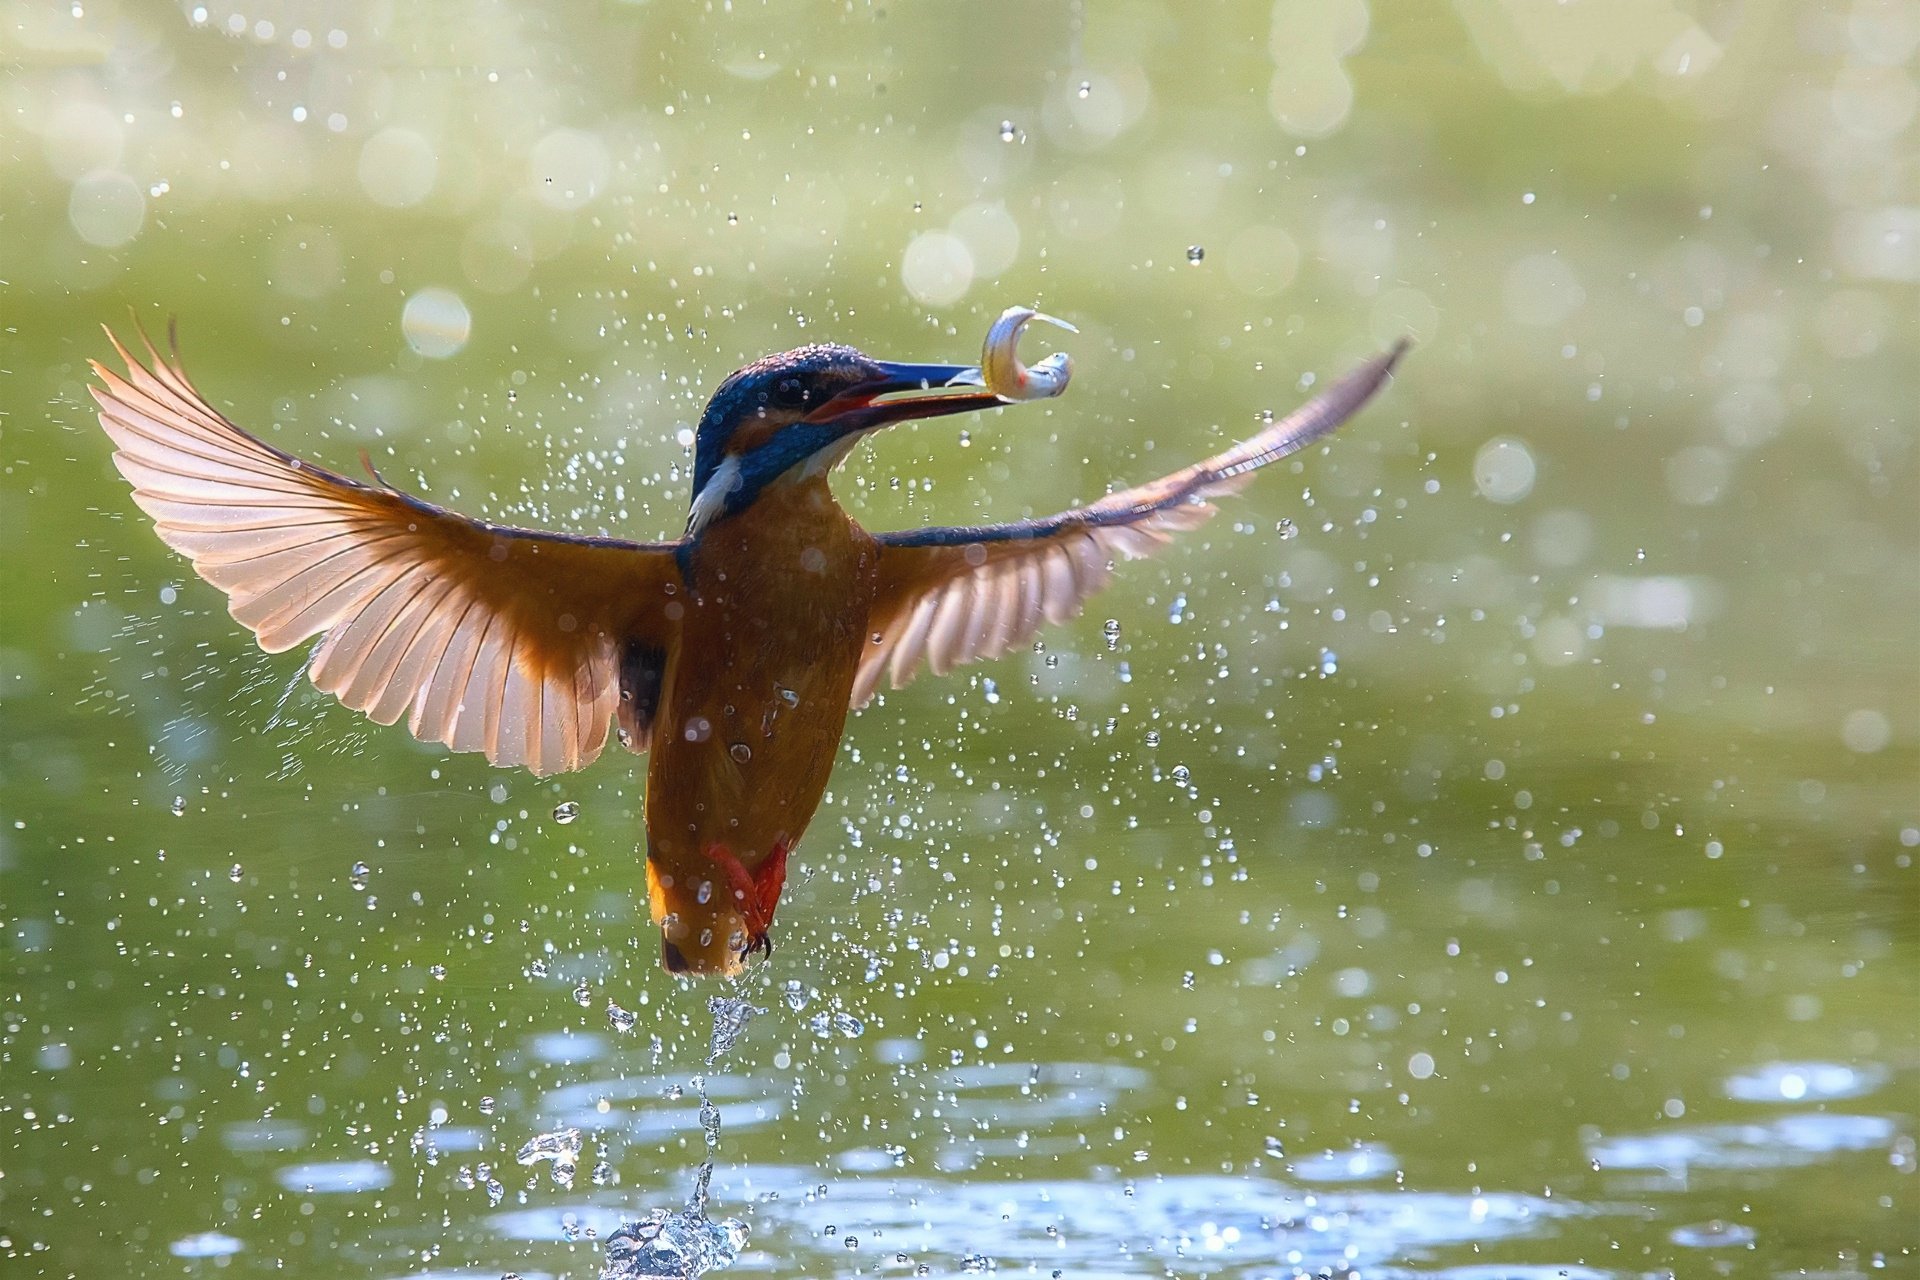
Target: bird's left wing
[(488, 638), (953, 595)]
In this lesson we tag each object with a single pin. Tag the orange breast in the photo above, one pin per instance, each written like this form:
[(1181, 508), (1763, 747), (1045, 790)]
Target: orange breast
[(755, 699)]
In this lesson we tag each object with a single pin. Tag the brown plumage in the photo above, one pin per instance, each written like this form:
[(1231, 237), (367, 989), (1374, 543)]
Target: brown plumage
[(732, 654)]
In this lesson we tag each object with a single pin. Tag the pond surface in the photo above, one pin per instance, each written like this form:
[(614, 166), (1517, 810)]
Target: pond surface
[(1486, 850)]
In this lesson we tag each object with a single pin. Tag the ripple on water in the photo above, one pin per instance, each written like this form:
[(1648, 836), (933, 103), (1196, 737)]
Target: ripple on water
[(208, 1244), (1714, 1235), (1038, 1094), (648, 1107), (1520, 1271), (564, 1048), (1773, 1144), (335, 1177), (1804, 1082), (264, 1135), (1218, 1224), (459, 1138), (1363, 1163)]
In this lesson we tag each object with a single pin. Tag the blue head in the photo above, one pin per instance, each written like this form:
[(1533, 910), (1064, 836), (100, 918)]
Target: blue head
[(798, 413)]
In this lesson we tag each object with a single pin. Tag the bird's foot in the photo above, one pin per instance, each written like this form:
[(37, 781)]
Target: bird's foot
[(757, 891)]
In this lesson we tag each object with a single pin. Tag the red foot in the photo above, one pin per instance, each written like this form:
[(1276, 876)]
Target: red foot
[(757, 891)]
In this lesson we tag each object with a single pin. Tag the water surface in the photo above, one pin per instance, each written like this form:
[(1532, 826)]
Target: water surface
[(1487, 850)]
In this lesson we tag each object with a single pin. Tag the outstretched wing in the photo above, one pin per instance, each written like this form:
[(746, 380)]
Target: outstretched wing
[(948, 596), (486, 638)]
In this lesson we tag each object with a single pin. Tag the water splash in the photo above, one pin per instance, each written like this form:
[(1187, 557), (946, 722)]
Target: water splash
[(671, 1244), (683, 1244), (286, 695), (561, 1146), (730, 1019), (827, 1025)]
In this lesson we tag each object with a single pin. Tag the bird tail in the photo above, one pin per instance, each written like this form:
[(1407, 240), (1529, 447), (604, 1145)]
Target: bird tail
[(716, 913), (702, 930)]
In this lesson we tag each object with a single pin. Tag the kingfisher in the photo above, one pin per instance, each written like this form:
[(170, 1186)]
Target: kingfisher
[(731, 655)]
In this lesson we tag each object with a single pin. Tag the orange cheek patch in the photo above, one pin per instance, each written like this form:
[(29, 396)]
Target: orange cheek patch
[(751, 434)]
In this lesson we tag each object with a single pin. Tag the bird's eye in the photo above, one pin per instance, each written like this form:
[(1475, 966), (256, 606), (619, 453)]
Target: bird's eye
[(790, 393)]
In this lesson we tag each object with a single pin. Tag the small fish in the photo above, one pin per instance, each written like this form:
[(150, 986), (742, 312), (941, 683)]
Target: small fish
[(1000, 369)]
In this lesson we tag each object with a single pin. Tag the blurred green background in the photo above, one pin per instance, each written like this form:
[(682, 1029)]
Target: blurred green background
[(1510, 875)]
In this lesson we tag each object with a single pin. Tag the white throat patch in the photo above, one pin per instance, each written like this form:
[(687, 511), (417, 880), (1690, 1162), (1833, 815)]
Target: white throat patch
[(712, 498)]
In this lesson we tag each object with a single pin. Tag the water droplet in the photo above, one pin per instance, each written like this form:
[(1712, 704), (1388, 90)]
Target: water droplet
[(1196, 254), (798, 994), (1086, 88), (437, 972), (179, 807), (583, 994), (621, 1020), (359, 874), (566, 811), (730, 1019), (740, 752), (602, 1174), (537, 969), (733, 219), (1181, 773), (1007, 132), (561, 1146), (825, 1025), (488, 1106), (237, 873), (1153, 737), (1287, 529)]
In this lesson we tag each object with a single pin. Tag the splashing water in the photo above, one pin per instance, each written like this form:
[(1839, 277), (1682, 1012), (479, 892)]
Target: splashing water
[(827, 1025), (683, 1244), (730, 1019), (672, 1244), (561, 1146), (286, 694)]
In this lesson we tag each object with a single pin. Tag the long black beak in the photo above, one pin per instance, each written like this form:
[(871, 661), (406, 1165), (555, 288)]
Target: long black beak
[(903, 391)]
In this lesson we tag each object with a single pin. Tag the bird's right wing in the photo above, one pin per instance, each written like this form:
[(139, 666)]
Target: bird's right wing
[(948, 596), (487, 638)]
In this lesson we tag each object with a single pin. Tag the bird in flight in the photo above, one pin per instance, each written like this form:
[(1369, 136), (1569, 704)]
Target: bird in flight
[(731, 655)]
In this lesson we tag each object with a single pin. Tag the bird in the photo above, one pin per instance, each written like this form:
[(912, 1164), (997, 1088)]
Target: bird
[(731, 655)]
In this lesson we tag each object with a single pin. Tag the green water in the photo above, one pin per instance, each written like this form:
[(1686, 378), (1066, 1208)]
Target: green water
[(1512, 874)]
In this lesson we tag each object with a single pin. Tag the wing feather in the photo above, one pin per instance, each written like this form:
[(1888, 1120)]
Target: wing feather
[(486, 638), (953, 595)]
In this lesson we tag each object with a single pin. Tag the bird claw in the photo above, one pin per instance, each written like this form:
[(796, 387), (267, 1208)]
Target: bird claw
[(757, 891)]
